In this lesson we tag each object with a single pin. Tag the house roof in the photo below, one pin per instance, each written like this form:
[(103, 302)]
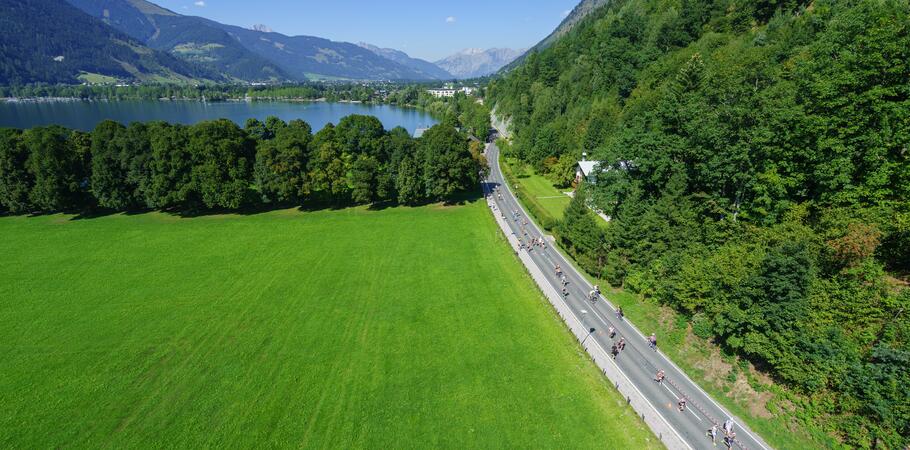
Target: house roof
[(587, 166), (419, 132)]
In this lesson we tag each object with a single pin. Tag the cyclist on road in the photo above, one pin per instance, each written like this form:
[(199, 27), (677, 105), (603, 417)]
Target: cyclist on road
[(730, 439), (728, 426), (652, 342)]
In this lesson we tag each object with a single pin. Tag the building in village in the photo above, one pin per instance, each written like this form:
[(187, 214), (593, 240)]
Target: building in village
[(448, 92)]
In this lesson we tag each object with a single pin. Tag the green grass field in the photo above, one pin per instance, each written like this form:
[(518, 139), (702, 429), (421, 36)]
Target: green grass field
[(400, 328), (536, 187), (96, 78)]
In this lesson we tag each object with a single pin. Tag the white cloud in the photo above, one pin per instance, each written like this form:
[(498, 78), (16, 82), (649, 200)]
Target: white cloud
[(451, 19), (200, 3)]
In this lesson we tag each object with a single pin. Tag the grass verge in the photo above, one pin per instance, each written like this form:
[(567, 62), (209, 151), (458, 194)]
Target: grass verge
[(536, 192)]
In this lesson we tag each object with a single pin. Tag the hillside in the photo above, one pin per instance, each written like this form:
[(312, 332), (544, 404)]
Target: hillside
[(475, 62), (192, 39), (574, 18), (301, 56), (241, 53), (52, 42), (755, 167)]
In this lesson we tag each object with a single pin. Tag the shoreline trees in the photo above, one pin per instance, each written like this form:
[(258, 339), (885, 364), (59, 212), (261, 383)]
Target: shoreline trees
[(219, 165)]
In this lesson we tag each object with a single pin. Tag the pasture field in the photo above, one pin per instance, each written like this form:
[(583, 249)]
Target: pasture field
[(397, 328)]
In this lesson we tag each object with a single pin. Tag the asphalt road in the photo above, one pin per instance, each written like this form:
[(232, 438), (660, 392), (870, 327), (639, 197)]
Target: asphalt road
[(638, 361)]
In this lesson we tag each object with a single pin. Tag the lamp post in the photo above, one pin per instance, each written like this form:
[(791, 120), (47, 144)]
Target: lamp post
[(590, 332)]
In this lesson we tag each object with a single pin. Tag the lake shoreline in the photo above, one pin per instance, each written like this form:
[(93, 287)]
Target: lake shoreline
[(184, 99), (85, 114)]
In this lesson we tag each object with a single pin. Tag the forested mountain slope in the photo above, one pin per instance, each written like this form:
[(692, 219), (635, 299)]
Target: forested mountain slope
[(575, 16), (300, 56), (758, 175), (50, 41), (192, 39)]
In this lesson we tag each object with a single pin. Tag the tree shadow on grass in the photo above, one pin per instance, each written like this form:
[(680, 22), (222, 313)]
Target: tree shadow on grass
[(310, 205), (97, 213)]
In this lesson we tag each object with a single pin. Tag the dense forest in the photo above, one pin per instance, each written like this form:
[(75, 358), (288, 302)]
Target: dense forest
[(217, 165), (755, 165)]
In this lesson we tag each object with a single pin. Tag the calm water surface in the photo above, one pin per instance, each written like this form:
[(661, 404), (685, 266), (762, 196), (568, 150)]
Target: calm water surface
[(83, 115)]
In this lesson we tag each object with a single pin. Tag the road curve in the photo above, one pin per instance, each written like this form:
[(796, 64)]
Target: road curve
[(638, 361)]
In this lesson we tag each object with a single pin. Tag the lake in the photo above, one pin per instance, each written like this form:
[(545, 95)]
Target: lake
[(84, 115)]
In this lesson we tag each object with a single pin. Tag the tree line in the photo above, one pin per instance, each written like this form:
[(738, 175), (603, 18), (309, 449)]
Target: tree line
[(217, 165), (755, 165)]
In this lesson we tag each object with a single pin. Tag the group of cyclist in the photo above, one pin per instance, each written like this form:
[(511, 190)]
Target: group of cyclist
[(729, 435)]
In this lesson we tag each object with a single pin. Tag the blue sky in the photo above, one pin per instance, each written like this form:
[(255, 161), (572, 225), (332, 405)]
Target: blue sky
[(426, 29)]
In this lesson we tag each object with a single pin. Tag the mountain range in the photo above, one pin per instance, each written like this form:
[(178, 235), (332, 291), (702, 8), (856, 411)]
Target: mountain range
[(475, 62), (432, 71), (246, 54), (63, 41)]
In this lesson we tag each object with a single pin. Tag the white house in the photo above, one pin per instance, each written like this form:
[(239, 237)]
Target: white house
[(585, 170), (449, 92), (440, 93), (419, 132)]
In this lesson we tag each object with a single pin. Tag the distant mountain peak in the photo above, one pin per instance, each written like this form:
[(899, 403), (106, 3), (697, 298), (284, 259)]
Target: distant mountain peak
[(471, 51), (476, 62), (262, 28)]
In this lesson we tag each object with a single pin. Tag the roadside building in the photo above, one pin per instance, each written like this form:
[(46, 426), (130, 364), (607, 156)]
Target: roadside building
[(586, 170)]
